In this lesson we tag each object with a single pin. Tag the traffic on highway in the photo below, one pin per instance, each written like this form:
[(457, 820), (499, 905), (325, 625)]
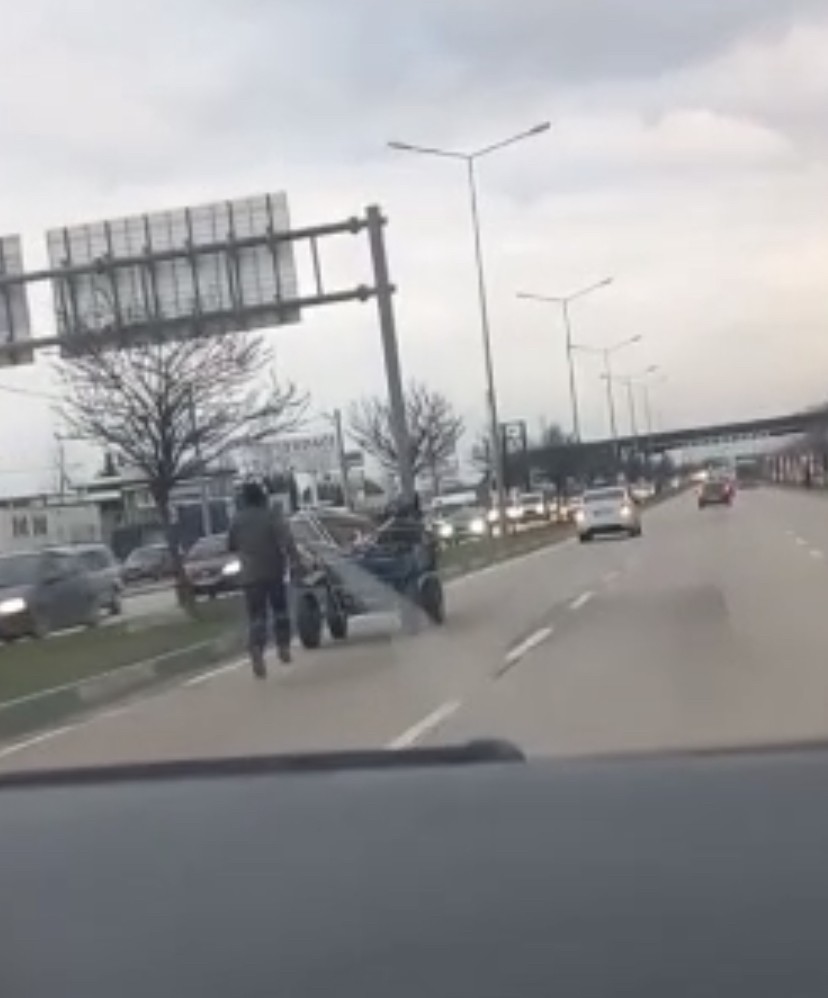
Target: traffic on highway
[(554, 649), (413, 499)]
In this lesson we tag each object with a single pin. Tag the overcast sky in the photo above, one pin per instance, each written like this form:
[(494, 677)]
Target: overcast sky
[(688, 159)]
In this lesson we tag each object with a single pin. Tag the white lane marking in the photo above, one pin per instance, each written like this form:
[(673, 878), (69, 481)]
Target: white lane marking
[(816, 553), (534, 639), (428, 723), (581, 600), (36, 740), (800, 541), (206, 676), (608, 577)]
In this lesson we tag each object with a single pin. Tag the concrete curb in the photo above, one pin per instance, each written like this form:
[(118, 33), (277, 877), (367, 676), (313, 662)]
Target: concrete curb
[(50, 707)]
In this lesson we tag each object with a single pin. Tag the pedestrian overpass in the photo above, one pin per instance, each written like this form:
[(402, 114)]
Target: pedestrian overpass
[(717, 433), (596, 458)]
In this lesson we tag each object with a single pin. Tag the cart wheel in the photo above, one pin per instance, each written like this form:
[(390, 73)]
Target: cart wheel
[(337, 621), (309, 622), (432, 599)]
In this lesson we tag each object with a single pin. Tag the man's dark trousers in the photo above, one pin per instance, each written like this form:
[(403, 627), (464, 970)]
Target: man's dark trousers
[(260, 597)]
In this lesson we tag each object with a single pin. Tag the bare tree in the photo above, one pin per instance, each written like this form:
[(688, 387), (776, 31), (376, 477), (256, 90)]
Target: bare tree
[(434, 429), (172, 409)]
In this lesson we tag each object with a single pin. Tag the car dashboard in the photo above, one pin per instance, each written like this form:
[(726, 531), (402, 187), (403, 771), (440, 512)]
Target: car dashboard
[(442, 872)]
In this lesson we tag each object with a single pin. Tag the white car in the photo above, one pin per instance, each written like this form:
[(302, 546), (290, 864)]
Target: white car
[(610, 510)]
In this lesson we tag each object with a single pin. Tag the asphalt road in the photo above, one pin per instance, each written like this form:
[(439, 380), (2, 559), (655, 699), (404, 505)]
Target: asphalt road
[(710, 630)]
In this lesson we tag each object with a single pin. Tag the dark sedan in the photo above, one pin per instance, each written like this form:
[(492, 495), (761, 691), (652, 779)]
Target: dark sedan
[(150, 563), (212, 569)]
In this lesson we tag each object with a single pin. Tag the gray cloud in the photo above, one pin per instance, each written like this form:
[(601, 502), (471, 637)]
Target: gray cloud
[(687, 159)]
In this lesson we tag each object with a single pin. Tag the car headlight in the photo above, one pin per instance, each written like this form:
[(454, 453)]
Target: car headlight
[(478, 526), (493, 516), (231, 568), (579, 515), (626, 512), (445, 530), (514, 512), (14, 605), (539, 509)]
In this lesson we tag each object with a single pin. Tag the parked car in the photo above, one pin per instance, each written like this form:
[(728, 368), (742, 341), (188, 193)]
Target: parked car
[(43, 591), (105, 573), (150, 563), (211, 568), (607, 511)]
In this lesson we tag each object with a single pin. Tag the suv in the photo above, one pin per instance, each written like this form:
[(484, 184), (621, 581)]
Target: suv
[(607, 511), (44, 591), (105, 573)]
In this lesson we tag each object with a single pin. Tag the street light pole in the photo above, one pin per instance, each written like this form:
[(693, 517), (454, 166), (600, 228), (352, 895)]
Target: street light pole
[(630, 380), (631, 403), (564, 302), (573, 391), (610, 395), (496, 445), (491, 393)]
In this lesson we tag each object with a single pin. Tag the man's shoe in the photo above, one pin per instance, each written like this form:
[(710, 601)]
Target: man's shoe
[(258, 662), (284, 654)]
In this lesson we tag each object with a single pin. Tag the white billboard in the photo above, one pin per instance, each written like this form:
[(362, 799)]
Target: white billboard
[(156, 274), (312, 453), (15, 324)]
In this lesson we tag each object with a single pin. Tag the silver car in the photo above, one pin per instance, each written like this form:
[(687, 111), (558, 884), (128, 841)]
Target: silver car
[(610, 510)]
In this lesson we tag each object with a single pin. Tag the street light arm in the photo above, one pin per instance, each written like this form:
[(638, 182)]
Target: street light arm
[(625, 343), (528, 296), (589, 289), (565, 299), (528, 134), (427, 150)]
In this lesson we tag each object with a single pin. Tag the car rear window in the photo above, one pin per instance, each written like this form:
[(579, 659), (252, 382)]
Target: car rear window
[(605, 495), (95, 558)]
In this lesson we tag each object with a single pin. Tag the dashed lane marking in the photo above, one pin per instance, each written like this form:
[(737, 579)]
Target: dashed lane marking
[(413, 734), (514, 655), (581, 600)]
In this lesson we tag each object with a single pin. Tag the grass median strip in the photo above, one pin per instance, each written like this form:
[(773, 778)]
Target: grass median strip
[(32, 666), (469, 557)]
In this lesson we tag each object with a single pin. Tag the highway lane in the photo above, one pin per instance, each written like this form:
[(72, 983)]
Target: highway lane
[(711, 629), (717, 635)]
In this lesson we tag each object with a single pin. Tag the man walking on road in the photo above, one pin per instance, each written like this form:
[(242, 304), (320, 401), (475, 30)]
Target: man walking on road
[(265, 546)]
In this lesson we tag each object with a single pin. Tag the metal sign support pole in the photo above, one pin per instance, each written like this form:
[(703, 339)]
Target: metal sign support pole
[(385, 308)]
